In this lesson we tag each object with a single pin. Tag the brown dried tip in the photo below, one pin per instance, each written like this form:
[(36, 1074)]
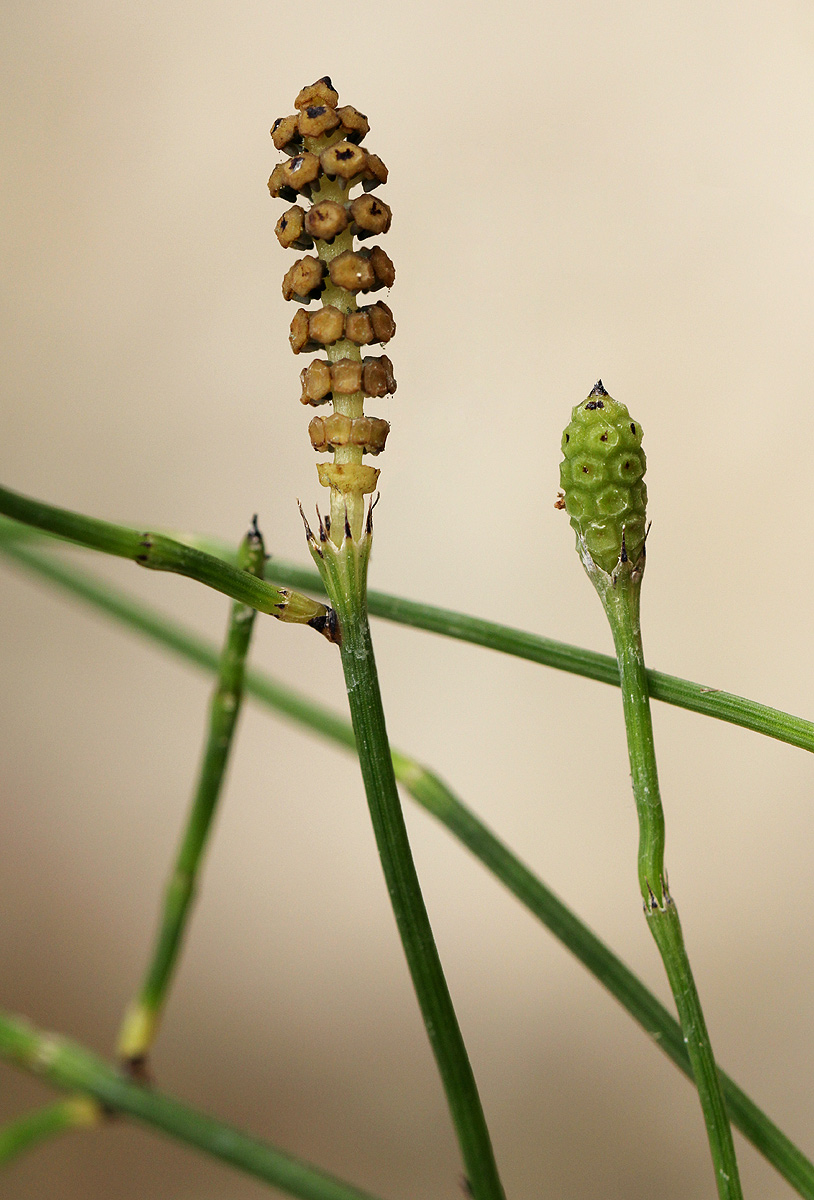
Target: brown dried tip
[(137, 1068), (355, 125), (321, 92)]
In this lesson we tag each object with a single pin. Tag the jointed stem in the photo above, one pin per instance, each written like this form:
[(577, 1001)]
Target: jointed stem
[(620, 597), (160, 553), (144, 1014), (433, 795), (670, 689), (345, 572), (683, 693), (621, 602)]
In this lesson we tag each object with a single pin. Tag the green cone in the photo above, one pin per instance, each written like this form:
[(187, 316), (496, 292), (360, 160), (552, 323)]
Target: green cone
[(601, 477)]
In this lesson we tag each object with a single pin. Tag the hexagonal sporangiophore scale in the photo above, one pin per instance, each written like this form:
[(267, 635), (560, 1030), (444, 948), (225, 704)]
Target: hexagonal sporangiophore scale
[(601, 477), (324, 163)]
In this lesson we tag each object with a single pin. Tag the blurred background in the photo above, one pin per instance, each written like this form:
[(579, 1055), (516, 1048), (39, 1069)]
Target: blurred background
[(619, 190)]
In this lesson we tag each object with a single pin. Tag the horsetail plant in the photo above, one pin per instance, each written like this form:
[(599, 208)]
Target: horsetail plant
[(433, 795), (604, 494), (325, 163)]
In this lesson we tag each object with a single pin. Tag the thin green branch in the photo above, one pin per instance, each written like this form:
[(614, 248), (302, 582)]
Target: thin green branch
[(61, 1116), (683, 693), (160, 553), (143, 1016), (620, 594), (71, 1067), (434, 796), (603, 668), (345, 574)]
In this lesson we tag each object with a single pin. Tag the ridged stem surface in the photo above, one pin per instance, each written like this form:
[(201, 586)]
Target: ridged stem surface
[(143, 1016), (344, 571), (670, 689), (603, 668), (160, 553), (620, 595)]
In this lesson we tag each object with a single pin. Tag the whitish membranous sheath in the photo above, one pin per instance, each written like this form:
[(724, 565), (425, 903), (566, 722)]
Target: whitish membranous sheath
[(325, 165), (604, 494)]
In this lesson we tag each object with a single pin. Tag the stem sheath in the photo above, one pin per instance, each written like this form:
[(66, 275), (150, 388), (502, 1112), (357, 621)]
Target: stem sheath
[(160, 553)]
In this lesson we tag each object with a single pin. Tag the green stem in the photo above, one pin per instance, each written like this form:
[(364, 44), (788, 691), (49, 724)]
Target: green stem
[(670, 689), (68, 1065), (603, 668), (143, 1016), (77, 1112), (620, 594), (160, 553), (434, 796), (345, 571)]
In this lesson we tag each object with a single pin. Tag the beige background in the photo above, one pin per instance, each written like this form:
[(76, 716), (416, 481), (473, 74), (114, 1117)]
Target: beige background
[(623, 190)]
